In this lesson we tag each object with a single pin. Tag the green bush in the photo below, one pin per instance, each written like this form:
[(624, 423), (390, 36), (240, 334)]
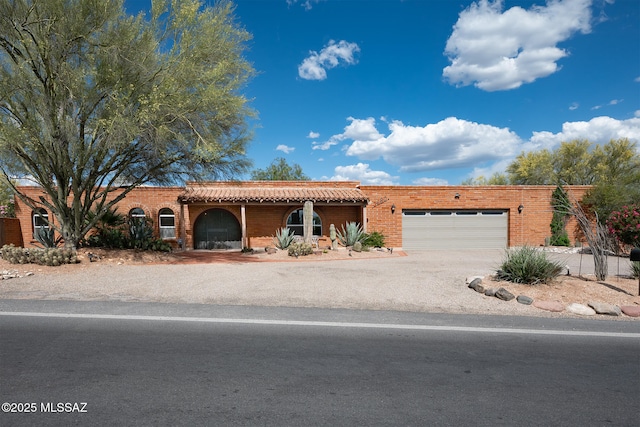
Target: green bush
[(351, 234), (529, 266), (373, 240), (50, 256), (300, 249), (284, 237)]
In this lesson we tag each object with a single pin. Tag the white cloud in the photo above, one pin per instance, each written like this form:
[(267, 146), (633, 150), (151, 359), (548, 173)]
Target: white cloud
[(430, 181), (449, 143), (496, 50), (315, 66), (285, 149), (599, 130), (363, 173), (457, 143), (612, 102), (313, 135), (306, 4), (574, 106)]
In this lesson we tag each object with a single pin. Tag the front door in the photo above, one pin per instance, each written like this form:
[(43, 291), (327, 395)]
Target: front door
[(217, 229)]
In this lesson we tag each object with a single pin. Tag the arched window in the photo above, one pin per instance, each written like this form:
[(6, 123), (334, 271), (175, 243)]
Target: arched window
[(137, 213), (40, 221), (296, 223), (167, 222)]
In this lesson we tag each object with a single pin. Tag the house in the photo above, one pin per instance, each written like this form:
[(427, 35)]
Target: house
[(216, 215)]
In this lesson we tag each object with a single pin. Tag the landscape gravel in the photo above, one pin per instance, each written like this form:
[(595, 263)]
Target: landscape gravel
[(424, 281)]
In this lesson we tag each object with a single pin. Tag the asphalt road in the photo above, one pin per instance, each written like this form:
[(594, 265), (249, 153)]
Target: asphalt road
[(167, 364)]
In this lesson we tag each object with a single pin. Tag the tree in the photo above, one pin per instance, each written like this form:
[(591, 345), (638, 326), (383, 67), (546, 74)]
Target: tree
[(279, 170), (94, 102), (496, 179)]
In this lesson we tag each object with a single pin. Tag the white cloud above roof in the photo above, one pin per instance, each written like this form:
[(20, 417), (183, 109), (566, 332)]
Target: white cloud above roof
[(315, 66), (363, 173), (496, 50)]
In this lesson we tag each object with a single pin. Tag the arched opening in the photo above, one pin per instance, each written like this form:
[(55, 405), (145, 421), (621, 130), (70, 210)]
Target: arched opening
[(167, 223), (217, 229), (39, 221)]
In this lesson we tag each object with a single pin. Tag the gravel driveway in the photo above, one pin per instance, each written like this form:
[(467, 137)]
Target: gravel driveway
[(429, 281)]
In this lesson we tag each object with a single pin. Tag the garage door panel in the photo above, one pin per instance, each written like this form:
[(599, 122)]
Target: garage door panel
[(454, 229)]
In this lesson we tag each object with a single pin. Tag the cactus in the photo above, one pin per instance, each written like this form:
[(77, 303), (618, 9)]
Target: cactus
[(351, 234), (284, 238)]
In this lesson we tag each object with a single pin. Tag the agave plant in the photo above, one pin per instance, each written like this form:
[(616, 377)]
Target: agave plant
[(284, 238), (350, 235)]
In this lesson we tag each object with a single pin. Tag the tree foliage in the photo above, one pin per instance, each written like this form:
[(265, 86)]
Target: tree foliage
[(279, 170), (94, 102), (496, 179)]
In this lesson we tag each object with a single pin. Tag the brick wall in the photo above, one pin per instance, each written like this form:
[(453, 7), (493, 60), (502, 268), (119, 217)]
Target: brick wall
[(530, 227), (10, 232)]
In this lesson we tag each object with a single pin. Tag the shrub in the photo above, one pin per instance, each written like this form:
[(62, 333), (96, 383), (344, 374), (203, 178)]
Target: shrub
[(373, 240), (50, 256), (625, 225), (47, 238), (561, 209), (284, 237), (300, 249), (351, 234), (529, 266)]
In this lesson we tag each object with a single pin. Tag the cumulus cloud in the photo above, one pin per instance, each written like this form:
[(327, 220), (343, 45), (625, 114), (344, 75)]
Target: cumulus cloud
[(358, 130), (496, 50), (285, 149), (599, 130), (363, 173), (313, 135), (449, 143), (315, 66), (457, 143)]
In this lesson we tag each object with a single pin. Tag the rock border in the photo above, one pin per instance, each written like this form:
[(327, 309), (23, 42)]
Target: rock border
[(594, 308)]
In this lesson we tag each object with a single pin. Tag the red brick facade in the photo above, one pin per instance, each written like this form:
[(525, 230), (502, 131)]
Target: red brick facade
[(530, 226), (10, 232)]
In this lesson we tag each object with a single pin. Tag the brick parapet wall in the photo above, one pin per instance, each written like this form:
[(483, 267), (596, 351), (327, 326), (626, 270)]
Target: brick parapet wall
[(531, 226)]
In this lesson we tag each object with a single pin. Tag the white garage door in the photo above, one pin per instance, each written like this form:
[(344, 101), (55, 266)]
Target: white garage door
[(431, 229)]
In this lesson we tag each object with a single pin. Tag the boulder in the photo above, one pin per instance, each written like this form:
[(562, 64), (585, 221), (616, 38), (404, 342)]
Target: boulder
[(580, 309), (553, 306), (504, 294), (631, 310), (271, 251), (476, 285), (604, 308), (490, 292), (523, 299), (471, 279)]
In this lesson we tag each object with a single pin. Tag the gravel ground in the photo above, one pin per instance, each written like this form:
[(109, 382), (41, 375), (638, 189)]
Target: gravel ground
[(429, 281)]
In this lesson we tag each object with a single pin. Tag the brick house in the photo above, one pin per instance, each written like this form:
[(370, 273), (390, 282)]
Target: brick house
[(213, 215)]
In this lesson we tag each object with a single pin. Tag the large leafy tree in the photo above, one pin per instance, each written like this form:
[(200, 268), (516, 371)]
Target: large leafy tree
[(280, 170), (95, 102)]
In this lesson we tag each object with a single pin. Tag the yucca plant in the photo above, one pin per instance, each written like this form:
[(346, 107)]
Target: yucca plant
[(284, 238), (527, 265), (351, 234)]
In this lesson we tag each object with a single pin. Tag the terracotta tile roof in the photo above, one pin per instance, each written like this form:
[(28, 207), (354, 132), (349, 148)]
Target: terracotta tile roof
[(227, 194)]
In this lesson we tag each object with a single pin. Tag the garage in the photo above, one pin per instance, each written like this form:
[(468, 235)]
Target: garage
[(454, 229)]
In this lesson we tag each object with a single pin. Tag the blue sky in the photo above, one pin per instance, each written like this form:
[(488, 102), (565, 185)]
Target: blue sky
[(419, 92)]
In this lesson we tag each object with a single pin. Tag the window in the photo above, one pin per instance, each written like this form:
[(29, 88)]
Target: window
[(137, 213), (167, 221), (295, 223), (40, 221)]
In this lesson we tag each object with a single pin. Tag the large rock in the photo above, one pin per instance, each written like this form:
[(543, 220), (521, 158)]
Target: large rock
[(631, 310), (476, 285), (523, 299), (504, 294), (553, 306), (604, 308), (580, 309), (490, 292)]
